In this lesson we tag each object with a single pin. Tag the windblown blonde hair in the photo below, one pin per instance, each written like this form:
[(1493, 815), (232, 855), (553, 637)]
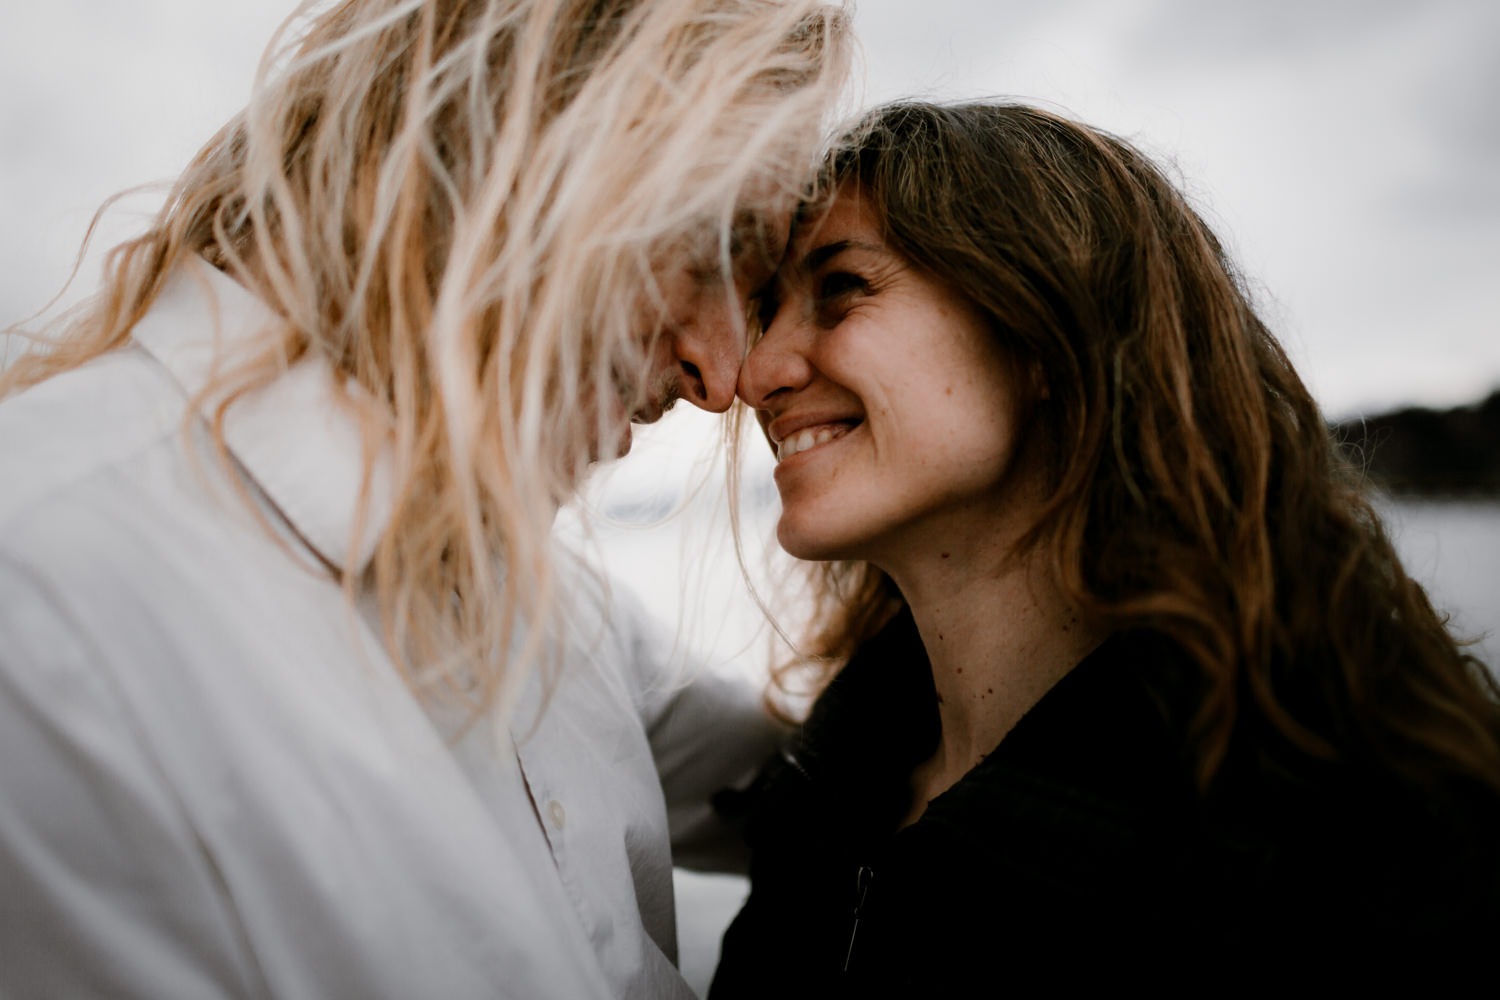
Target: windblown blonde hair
[(464, 206)]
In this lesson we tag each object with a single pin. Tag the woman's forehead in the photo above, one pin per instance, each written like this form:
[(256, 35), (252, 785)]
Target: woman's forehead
[(847, 220)]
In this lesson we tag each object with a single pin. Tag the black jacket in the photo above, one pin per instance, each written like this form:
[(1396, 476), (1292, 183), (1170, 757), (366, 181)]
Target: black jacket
[(1078, 853)]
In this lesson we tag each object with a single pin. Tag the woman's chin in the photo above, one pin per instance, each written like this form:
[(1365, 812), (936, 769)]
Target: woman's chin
[(813, 546)]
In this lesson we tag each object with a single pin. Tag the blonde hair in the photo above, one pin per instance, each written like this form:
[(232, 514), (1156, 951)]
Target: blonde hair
[(464, 206)]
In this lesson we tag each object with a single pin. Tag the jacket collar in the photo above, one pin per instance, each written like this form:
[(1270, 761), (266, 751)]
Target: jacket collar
[(298, 438)]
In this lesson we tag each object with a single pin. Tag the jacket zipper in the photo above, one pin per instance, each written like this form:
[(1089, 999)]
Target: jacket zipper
[(862, 890)]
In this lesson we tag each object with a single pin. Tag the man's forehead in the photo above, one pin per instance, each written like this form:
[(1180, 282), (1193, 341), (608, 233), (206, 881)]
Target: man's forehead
[(751, 239), (760, 233)]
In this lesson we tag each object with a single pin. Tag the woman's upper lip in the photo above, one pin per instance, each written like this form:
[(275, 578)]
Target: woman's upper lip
[(784, 426)]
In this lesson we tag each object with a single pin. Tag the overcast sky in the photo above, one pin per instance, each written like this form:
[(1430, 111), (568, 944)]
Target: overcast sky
[(1349, 150)]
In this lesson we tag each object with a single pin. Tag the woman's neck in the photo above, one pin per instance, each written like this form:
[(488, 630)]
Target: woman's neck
[(998, 640)]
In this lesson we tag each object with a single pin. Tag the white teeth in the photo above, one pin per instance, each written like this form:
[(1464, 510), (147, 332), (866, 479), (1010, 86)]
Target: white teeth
[(808, 438)]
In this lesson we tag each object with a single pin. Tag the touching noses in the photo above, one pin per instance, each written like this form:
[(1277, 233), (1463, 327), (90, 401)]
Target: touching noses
[(774, 366)]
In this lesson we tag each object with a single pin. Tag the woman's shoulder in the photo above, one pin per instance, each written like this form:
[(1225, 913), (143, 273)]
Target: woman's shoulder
[(1351, 838)]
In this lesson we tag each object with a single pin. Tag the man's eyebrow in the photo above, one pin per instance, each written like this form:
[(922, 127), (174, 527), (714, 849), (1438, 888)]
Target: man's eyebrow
[(749, 233), (745, 239)]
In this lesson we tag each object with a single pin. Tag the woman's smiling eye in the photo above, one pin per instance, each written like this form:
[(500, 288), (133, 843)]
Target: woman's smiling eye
[(764, 305), (835, 292), (836, 284)]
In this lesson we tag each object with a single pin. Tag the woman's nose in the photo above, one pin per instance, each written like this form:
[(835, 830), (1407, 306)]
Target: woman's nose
[(777, 364)]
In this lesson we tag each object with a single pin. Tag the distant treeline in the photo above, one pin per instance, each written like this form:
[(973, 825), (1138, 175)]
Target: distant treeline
[(1429, 453)]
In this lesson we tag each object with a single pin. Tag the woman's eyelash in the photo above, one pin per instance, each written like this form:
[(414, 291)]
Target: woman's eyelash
[(828, 291), (836, 284), (764, 305)]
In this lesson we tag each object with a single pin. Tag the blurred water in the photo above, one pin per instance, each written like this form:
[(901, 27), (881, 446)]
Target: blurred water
[(1451, 547), (685, 568)]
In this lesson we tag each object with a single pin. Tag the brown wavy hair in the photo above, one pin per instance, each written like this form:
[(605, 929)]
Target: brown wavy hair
[(1196, 493)]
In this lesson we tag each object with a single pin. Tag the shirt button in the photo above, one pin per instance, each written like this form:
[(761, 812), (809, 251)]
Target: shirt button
[(558, 813)]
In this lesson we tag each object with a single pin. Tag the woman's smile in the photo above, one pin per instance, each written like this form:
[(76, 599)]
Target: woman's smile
[(886, 397)]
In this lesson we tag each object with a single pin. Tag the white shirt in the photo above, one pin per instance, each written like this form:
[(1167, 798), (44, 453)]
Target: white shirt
[(213, 781)]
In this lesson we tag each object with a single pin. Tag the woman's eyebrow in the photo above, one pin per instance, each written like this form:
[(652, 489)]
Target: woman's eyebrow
[(820, 255)]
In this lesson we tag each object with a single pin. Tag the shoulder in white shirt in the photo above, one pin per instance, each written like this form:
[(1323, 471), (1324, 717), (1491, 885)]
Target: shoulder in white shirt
[(213, 781)]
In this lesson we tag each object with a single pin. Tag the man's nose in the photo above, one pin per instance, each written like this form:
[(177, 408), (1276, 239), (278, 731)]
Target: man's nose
[(708, 355)]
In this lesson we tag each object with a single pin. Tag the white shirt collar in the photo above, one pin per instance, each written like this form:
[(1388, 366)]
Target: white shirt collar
[(296, 439)]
